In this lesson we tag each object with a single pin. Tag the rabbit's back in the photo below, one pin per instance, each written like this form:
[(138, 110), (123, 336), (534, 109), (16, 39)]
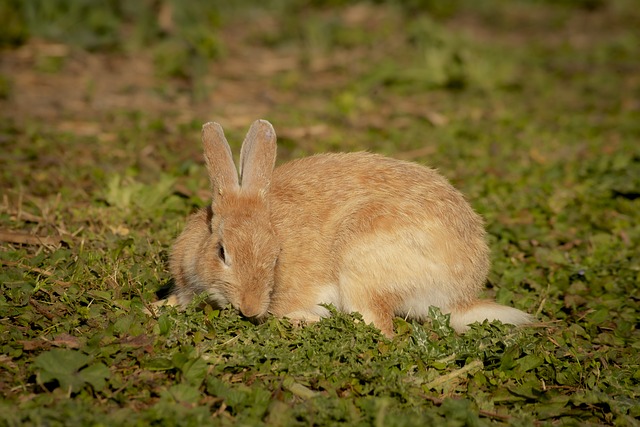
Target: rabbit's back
[(358, 192)]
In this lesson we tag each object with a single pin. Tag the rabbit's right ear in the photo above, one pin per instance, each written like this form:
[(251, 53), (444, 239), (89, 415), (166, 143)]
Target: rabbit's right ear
[(217, 155), (258, 157)]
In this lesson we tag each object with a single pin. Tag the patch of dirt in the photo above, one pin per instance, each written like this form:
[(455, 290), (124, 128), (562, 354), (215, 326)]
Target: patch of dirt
[(81, 92), (72, 90), (89, 86)]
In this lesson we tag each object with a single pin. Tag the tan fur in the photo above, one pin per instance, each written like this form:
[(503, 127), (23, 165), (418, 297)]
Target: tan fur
[(360, 231)]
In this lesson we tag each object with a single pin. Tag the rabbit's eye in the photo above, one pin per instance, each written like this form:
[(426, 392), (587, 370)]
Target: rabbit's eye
[(221, 253)]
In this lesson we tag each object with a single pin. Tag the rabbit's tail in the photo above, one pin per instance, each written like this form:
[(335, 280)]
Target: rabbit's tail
[(487, 310)]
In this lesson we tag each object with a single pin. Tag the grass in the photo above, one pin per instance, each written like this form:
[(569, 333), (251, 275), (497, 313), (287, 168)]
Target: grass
[(531, 109)]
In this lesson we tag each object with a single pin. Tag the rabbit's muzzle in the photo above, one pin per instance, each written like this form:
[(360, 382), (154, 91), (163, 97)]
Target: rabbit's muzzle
[(253, 306)]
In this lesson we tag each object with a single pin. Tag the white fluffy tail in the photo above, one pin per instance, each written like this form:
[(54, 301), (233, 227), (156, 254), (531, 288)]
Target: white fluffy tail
[(487, 310)]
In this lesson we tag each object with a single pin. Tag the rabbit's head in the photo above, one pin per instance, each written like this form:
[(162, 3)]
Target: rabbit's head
[(244, 245)]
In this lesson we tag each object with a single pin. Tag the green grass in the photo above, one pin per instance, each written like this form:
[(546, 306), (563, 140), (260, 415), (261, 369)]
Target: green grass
[(532, 109)]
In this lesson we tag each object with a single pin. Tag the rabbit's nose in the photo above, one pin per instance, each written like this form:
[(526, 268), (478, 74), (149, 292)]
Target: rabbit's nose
[(250, 312), (252, 307)]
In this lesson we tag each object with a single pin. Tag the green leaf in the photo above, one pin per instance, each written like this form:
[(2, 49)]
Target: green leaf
[(460, 412), (528, 362), (96, 375), (62, 366), (149, 198), (194, 371), (159, 364), (164, 324), (599, 316), (183, 393)]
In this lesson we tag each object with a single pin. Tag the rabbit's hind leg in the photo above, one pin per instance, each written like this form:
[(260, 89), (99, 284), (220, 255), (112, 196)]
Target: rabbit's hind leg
[(377, 308)]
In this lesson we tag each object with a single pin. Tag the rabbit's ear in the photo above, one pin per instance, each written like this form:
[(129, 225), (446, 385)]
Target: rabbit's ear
[(217, 154), (258, 156)]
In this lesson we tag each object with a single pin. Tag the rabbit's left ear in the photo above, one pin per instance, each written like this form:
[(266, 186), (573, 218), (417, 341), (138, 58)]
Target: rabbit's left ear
[(258, 157)]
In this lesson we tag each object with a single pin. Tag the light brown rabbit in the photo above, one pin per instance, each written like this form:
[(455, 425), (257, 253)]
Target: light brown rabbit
[(363, 232)]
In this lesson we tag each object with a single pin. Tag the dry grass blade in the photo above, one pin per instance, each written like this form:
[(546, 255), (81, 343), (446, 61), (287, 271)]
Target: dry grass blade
[(28, 239), (473, 366)]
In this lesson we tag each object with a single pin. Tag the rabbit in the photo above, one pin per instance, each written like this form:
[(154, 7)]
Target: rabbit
[(361, 231)]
